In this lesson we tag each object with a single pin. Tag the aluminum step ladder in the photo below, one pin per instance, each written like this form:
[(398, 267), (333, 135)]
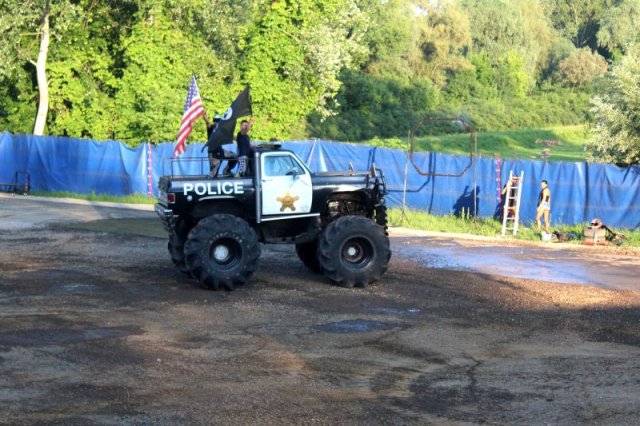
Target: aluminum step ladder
[(511, 209)]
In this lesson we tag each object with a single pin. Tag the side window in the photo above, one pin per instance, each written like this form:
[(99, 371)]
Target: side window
[(281, 165)]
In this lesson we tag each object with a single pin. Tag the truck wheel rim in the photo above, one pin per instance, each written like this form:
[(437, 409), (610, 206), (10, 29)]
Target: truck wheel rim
[(357, 252), (220, 253), (225, 252)]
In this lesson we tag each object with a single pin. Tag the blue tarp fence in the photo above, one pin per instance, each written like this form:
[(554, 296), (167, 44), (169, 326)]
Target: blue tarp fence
[(580, 191)]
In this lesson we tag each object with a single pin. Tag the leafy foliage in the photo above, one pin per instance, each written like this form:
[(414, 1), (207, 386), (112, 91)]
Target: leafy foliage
[(374, 106), (81, 75), (503, 28), (578, 20), (158, 63), (391, 38), (21, 27), (445, 40), (540, 109), (340, 69), (616, 111), (282, 91), (581, 68), (619, 27)]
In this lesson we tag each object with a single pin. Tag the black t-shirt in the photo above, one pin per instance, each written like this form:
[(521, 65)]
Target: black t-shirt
[(244, 144)]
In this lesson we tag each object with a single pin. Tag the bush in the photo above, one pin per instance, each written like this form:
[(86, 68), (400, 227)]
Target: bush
[(581, 68), (617, 112), (369, 106), (541, 109)]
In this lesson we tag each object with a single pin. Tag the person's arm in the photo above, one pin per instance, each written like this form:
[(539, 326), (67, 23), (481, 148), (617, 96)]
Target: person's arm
[(250, 124), (206, 120)]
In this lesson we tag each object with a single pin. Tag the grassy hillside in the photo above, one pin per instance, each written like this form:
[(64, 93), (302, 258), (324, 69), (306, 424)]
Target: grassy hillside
[(565, 143)]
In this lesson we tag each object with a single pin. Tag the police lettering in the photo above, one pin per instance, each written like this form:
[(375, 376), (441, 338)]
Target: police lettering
[(214, 188)]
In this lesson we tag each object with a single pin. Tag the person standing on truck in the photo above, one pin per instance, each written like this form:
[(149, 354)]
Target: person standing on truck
[(544, 206), (215, 153), (223, 132), (244, 146)]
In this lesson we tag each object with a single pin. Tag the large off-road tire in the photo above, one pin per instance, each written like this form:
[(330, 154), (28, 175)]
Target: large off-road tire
[(176, 246), (308, 253), (222, 251), (354, 251)]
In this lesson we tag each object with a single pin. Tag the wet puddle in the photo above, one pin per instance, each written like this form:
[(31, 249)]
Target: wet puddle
[(356, 326), (393, 311), (521, 262), (61, 289)]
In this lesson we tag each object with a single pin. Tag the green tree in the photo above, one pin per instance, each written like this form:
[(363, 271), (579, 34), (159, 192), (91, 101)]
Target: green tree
[(79, 81), (578, 20), (444, 43), (294, 53), (507, 78), (560, 50), (392, 36), (223, 25), (26, 30), (619, 27), (158, 62), (500, 28), (581, 68), (408, 42), (119, 69), (616, 109), (274, 66), (371, 106), (84, 69), (511, 76)]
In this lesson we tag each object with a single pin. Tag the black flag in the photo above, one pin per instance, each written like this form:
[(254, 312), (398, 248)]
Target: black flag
[(223, 133)]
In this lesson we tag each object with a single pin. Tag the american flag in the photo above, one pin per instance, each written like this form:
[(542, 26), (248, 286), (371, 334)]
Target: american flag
[(193, 110)]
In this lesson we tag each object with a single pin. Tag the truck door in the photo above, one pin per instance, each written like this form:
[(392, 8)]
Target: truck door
[(286, 185)]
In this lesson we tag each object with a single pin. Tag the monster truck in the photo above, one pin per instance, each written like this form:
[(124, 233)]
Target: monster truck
[(337, 220)]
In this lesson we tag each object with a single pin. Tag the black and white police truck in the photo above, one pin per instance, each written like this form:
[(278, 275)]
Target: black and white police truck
[(337, 220)]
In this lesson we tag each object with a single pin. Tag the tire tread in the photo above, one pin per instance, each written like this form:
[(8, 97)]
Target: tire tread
[(197, 248), (339, 231)]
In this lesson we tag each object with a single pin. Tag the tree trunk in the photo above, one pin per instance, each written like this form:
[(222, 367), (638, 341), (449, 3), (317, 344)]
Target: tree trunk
[(43, 87)]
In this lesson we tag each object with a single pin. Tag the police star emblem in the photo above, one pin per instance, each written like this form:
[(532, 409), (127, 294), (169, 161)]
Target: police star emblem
[(287, 201)]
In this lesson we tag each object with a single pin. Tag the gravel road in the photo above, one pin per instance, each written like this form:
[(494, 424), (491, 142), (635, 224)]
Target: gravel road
[(97, 327)]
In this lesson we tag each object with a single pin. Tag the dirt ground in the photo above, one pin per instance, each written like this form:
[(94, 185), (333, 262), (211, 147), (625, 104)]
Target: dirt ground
[(97, 327)]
